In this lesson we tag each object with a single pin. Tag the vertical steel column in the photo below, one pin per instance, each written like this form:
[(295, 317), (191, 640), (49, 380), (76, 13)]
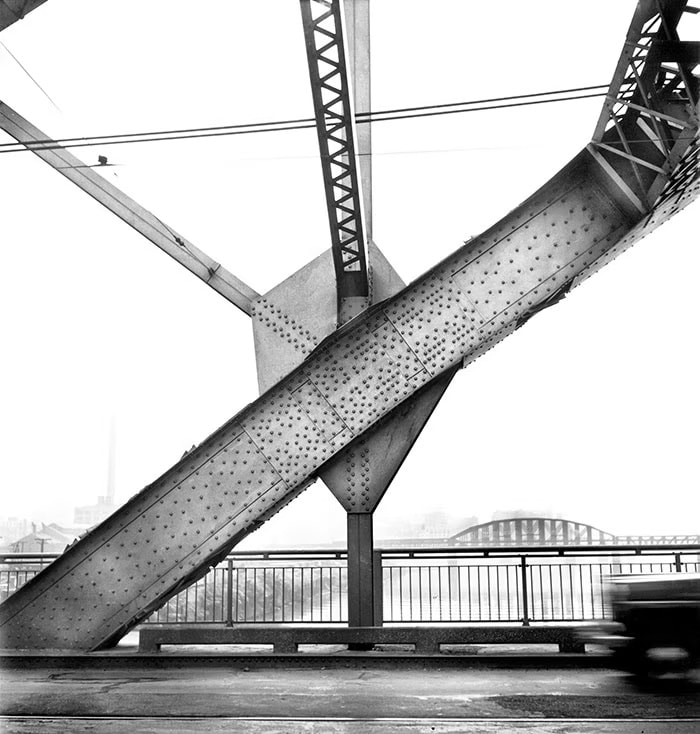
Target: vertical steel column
[(357, 41), (364, 573), (378, 587), (526, 602), (229, 593)]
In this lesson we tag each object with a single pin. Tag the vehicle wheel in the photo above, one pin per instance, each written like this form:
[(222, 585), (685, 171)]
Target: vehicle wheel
[(638, 662), (648, 660)]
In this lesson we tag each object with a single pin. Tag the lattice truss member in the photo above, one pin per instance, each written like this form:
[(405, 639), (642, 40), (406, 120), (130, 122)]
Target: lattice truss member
[(651, 110), (323, 30), (346, 404)]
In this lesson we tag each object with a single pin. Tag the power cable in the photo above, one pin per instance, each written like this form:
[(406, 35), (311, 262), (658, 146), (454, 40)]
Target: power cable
[(487, 100), (301, 123)]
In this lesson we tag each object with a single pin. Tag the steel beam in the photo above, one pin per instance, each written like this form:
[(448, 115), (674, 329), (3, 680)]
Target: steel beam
[(333, 109), (361, 474), (364, 573), (357, 27), (149, 225)]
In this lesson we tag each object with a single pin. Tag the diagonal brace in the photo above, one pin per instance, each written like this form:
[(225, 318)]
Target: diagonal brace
[(196, 261)]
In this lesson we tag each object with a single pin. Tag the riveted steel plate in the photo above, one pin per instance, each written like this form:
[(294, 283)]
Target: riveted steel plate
[(295, 316), (360, 475), (158, 537), (319, 410)]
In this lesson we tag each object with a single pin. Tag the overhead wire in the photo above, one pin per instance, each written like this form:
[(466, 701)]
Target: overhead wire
[(404, 113)]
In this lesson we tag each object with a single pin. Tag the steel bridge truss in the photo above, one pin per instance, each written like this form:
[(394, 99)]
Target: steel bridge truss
[(651, 108), (348, 403)]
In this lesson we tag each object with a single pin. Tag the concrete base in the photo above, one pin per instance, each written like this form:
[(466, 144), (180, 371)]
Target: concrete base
[(426, 640)]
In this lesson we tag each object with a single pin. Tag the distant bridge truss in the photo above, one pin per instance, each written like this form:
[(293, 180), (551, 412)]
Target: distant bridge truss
[(544, 531), (346, 404)]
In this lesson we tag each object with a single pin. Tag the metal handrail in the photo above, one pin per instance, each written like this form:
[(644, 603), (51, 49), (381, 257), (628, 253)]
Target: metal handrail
[(501, 551), (434, 585)]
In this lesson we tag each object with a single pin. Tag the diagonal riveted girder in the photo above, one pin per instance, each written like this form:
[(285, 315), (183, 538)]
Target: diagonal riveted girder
[(173, 530), (325, 49), (150, 226)]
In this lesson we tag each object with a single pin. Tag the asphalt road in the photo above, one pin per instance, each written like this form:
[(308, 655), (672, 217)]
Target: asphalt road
[(263, 700)]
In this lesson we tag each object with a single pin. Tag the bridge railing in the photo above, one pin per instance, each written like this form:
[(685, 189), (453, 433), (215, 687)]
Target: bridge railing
[(439, 585), (17, 568), (552, 584), (264, 588)]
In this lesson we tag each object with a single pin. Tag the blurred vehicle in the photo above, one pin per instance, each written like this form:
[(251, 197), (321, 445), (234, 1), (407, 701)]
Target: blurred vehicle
[(655, 625)]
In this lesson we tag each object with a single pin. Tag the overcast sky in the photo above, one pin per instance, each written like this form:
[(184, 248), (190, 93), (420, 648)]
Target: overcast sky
[(589, 412)]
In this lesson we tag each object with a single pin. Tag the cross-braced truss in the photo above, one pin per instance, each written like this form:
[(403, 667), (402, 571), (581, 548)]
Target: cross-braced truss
[(651, 109), (325, 48)]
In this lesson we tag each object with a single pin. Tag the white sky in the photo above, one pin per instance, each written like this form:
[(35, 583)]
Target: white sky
[(589, 412)]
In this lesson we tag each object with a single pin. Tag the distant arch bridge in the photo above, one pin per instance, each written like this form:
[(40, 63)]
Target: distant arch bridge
[(539, 531)]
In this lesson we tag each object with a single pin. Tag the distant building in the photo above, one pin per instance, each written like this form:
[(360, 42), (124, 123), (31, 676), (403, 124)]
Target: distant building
[(51, 538), (12, 528), (90, 515)]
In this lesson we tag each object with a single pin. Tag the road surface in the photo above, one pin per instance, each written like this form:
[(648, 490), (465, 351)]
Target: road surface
[(262, 699)]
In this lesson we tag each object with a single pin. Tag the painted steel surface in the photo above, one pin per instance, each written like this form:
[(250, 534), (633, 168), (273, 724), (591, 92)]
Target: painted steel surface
[(172, 531), (288, 323)]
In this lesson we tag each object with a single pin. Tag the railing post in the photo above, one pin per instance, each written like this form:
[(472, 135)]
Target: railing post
[(378, 581), (677, 557), (523, 578), (229, 593)]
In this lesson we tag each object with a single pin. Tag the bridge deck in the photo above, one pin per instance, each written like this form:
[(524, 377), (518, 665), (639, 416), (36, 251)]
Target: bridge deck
[(369, 698)]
